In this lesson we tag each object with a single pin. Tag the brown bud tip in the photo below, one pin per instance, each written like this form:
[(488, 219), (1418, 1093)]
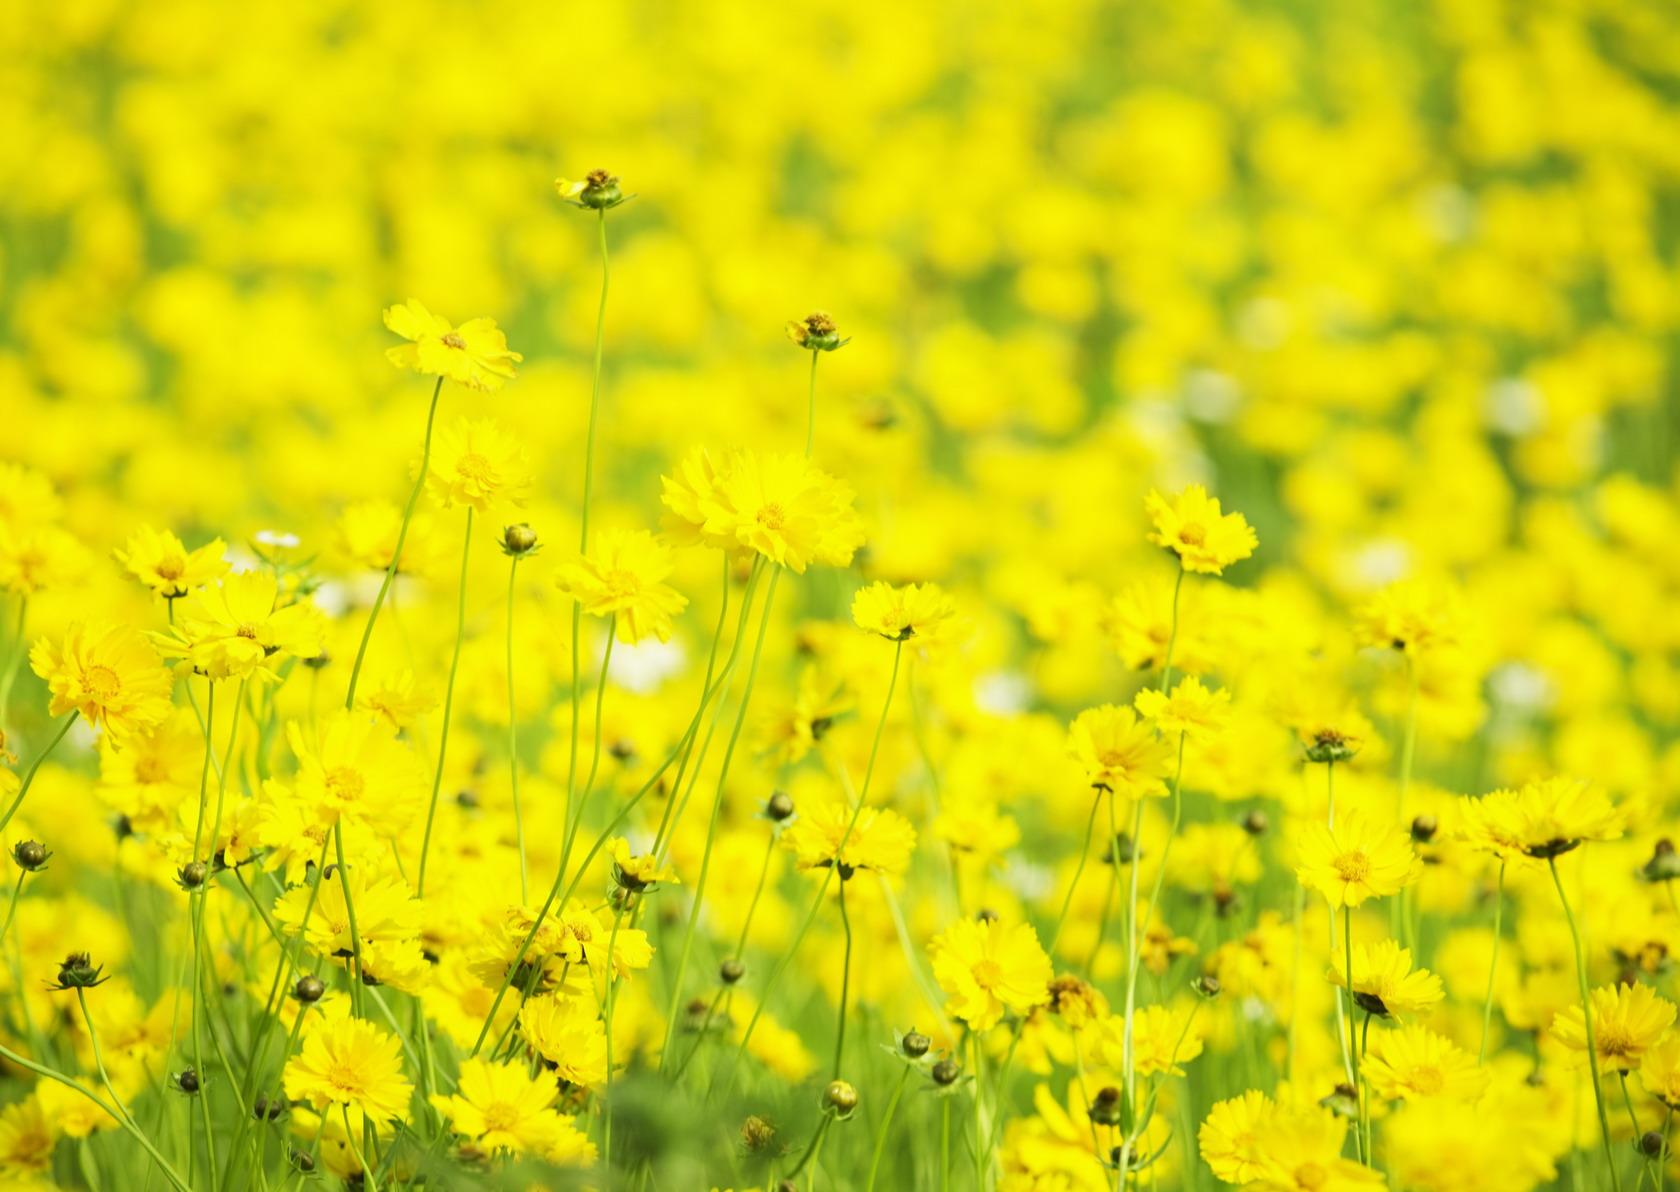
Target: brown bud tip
[(30, 854), (309, 988), (731, 971), (779, 806), (915, 1044), (945, 1072), (519, 539)]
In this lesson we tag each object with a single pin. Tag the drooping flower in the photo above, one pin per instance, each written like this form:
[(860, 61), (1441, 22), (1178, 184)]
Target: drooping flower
[(881, 840), (1384, 982)]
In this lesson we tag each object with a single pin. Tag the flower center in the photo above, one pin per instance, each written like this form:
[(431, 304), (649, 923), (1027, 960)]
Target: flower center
[(346, 1079), (1311, 1175), (988, 974), (1192, 533), (247, 630), (772, 516), (473, 466), (1428, 1080), (172, 567), (101, 681), (500, 1117), (621, 583), (1352, 867), (453, 340), (1111, 759), (150, 769), (344, 782), (1613, 1041)]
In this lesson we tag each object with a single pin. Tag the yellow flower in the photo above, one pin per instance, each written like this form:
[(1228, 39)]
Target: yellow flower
[(354, 767), (987, 968), (1301, 1151), (1412, 615), (475, 354), (1359, 858), (108, 673), (621, 576), (568, 1033), (27, 1138), (898, 614), (637, 872), (1553, 816), (1384, 982), (881, 840), (1414, 1062), (816, 331), (235, 628), (1627, 1020), (1191, 709), (502, 1108), (784, 508), (349, 1061), (1119, 752), (1231, 1137), (1659, 1069), (1162, 1038), (1192, 527), (35, 558), (162, 562), (476, 463)]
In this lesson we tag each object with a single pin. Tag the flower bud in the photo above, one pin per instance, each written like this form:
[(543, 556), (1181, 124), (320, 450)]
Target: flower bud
[(1123, 851), (1255, 823), (1424, 828), (915, 1044), (1664, 865), (945, 1072), (731, 971), (1105, 1106), (841, 1097), (31, 855), (757, 1134), (597, 191), (1343, 1101), (318, 661), (1331, 745), (518, 540), (1650, 1144), (816, 332), (309, 989), (265, 1110), (192, 875), (985, 915), (186, 1081), (779, 806), (1207, 985), (79, 972)]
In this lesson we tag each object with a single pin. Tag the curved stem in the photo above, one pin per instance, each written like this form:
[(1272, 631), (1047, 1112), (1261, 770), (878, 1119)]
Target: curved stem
[(29, 775), (595, 763), (396, 551), (1587, 1021), (513, 738), (886, 1124), (448, 704), (1353, 1051), (1078, 871), (845, 980), (1493, 963)]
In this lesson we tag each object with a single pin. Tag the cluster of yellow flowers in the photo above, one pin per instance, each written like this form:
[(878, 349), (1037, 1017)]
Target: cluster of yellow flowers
[(1174, 684)]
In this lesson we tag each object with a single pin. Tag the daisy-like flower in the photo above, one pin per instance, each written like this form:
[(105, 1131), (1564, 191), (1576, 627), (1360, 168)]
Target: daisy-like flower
[(354, 767), (784, 508), (162, 562), (1413, 615), (476, 463), (475, 354), (1359, 858), (1627, 1021), (1384, 982), (622, 575), (569, 1034), (1301, 1151), (1193, 528), (1119, 752), (898, 614), (881, 840), (349, 1061), (816, 332), (1659, 1069), (1414, 1062), (597, 190), (237, 628), (1191, 709), (987, 968), (1550, 817), (503, 1109), (108, 673), (1163, 1037), (637, 872), (1231, 1137)]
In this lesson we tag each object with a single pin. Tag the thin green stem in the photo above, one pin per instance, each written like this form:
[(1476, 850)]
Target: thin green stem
[(1587, 1020), (396, 551), (1078, 870), (845, 981), (886, 1120), (448, 704), (355, 965), (1493, 962), (811, 407), (29, 774), (513, 739), (595, 763), (1353, 1051)]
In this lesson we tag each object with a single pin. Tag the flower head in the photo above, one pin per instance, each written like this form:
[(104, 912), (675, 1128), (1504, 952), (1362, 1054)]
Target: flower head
[(880, 840), (476, 463), (1119, 752), (1384, 982), (1414, 1062), (988, 968), (622, 575), (503, 1109), (898, 614), (349, 1061), (1191, 709), (108, 673), (1359, 858), (782, 507), (162, 562), (1192, 527), (238, 628), (475, 354), (1627, 1021)]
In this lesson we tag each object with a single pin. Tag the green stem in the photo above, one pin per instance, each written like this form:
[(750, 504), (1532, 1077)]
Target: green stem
[(886, 1120), (355, 966), (448, 704), (595, 763), (396, 552), (607, 1015), (1353, 1051), (1493, 963), (811, 407), (29, 775), (513, 739), (845, 979), (1078, 871), (1587, 1021), (14, 660), (811, 1148)]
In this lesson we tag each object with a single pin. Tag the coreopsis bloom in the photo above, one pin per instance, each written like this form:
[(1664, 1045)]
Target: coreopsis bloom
[(108, 673), (27, 1139), (1301, 1151), (1553, 816), (1492, 823), (1659, 1069), (1163, 1037), (637, 872), (1192, 527), (988, 968), (816, 332), (791, 729), (568, 1033), (622, 576), (1231, 1137), (397, 697), (37, 558), (784, 508), (162, 562), (354, 767), (881, 840), (1384, 982), (597, 190), (503, 1109), (1412, 1062), (1627, 1021), (349, 1061), (692, 487), (1359, 858), (1412, 615), (238, 628), (1119, 752), (1191, 710), (386, 912), (477, 464), (475, 354), (366, 533), (898, 614)]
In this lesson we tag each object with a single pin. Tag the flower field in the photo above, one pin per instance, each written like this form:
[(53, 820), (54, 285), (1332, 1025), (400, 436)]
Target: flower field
[(1059, 597)]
